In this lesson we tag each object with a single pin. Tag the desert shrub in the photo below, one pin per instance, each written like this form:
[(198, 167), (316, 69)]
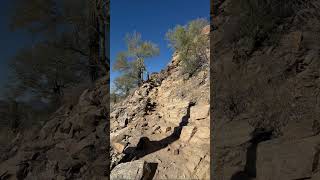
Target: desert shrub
[(190, 65), (232, 90), (191, 44), (257, 19), (240, 95), (114, 97), (131, 63), (157, 78), (272, 105)]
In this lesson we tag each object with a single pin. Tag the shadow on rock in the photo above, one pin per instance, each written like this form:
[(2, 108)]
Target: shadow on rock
[(258, 135), (145, 146)]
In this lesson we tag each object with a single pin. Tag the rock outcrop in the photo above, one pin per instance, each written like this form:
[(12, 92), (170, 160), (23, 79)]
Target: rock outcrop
[(136, 170), (164, 123), (149, 133), (71, 145), (266, 97)]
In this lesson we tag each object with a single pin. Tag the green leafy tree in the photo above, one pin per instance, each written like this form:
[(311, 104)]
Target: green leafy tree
[(125, 83), (131, 63), (114, 97), (257, 18), (76, 25), (45, 71), (69, 45), (138, 51), (191, 44)]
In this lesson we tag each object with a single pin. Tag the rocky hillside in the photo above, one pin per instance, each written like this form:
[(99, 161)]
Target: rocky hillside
[(71, 145), (266, 98), (162, 130)]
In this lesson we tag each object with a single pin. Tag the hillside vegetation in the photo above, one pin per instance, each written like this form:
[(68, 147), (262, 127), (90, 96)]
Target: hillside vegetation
[(266, 79)]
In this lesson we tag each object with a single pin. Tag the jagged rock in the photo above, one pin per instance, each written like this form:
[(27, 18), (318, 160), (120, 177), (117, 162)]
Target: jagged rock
[(165, 129), (42, 175), (176, 112), (118, 135), (88, 121), (234, 133), (123, 121), (193, 162), (315, 176), (83, 100), (39, 145), (199, 111), (59, 177), (285, 65), (67, 144), (72, 144), (186, 133), (135, 170), (49, 128), (56, 154), (119, 147), (278, 159), (202, 133), (292, 40), (23, 171), (102, 130), (98, 168), (18, 136), (66, 127), (88, 141), (176, 152), (156, 113), (155, 128), (310, 40)]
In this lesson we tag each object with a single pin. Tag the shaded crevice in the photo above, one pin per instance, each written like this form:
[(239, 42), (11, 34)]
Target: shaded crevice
[(5, 176), (258, 135), (315, 162), (150, 106), (153, 169)]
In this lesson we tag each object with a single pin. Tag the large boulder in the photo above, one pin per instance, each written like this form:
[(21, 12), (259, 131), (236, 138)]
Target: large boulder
[(233, 133), (135, 170), (292, 40), (199, 111), (296, 159), (119, 146), (186, 133)]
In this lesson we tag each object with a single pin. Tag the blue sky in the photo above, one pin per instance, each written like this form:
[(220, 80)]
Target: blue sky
[(10, 42), (152, 19)]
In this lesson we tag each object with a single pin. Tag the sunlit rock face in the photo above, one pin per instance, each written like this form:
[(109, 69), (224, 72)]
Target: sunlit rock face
[(165, 123)]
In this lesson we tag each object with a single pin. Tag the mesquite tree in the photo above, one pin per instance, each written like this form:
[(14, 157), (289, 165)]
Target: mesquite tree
[(131, 63)]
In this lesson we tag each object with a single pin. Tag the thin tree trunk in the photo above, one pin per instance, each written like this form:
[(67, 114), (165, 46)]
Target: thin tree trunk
[(103, 39), (139, 78), (148, 76), (94, 41)]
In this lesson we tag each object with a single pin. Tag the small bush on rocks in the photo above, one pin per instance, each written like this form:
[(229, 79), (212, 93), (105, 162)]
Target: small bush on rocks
[(191, 44)]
